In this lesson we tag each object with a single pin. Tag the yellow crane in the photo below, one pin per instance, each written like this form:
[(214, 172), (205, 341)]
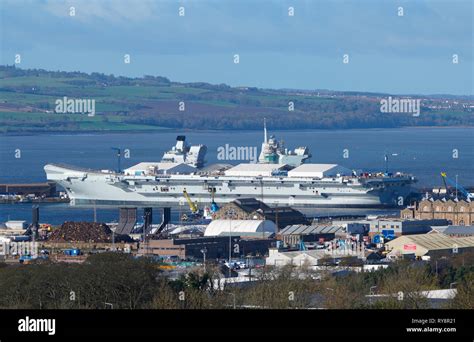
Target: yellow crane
[(192, 205), (454, 184)]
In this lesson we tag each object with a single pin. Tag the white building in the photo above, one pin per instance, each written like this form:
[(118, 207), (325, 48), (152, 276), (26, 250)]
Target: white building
[(319, 171), (11, 228), (16, 224), (240, 227), (297, 258)]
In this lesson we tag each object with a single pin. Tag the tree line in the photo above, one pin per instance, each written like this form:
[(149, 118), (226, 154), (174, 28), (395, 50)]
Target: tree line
[(124, 282)]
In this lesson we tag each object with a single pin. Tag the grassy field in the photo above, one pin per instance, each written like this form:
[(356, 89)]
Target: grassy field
[(27, 103), (14, 122)]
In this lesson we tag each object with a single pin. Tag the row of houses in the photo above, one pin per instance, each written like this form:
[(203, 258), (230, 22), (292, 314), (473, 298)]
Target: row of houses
[(459, 212)]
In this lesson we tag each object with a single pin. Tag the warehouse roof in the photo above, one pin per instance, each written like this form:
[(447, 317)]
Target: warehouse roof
[(239, 227), (461, 230), (248, 236), (433, 241), (314, 253), (250, 204), (437, 229), (301, 229)]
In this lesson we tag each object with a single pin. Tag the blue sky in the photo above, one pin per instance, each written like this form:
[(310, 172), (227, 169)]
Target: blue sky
[(387, 53)]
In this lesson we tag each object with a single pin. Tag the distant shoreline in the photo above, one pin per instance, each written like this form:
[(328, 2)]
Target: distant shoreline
[(184, 130)]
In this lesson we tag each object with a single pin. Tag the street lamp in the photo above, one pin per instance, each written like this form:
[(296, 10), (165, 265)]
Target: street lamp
[(456, 187), (204, 251), (249, 265), (233, 295), (113, 239), (372, 288), (230, 213)]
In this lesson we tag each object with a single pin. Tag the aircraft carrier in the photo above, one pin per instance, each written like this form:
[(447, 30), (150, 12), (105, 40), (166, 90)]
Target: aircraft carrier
[(273, 181)]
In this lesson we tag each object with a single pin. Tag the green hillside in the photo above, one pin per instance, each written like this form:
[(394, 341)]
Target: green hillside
[(28, 102)]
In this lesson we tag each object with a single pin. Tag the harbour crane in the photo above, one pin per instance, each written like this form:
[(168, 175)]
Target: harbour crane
[(196, 213), (447, 180), (214, 206), (192, 205), (386, 159), (119, 157)]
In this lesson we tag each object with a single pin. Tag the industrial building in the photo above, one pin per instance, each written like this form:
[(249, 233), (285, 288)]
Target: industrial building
[(397, 227), (293, 235), (433, 245), (459, 212), (352, 226), (253, 209), (215, 247), (261, 228)]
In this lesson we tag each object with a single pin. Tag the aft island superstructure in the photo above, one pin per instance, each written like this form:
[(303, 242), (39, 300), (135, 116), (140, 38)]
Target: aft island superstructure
[(275, 152)]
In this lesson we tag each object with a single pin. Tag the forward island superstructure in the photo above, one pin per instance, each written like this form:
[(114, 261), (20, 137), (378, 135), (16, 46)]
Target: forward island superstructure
[(183, 153)]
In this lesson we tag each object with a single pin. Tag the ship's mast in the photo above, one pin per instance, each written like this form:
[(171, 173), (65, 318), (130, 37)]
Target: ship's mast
[(265, 130)]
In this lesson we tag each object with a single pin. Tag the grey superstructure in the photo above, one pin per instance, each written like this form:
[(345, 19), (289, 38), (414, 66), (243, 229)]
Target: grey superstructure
[(275, 152), (183, 153)]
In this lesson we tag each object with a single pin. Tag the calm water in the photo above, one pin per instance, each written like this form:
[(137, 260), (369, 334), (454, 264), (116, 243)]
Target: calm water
[(422, 152)]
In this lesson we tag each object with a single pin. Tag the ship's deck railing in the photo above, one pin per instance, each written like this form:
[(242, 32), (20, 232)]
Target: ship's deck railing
[(369, 176), (380, 175), (79, 168)]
